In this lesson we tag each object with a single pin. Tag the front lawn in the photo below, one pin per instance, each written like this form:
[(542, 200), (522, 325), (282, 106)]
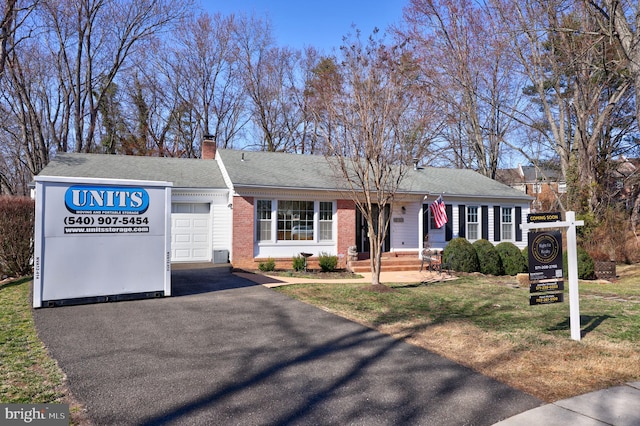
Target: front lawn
[(27, 373), (487, 324)]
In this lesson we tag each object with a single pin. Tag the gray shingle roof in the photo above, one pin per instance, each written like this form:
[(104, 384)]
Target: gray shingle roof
[(282, 170), (531, 174), (265, 170), (278, 170), (182, 172), (459, 182), (509, 176)]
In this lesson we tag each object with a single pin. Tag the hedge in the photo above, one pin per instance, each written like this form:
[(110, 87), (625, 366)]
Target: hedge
[(17, 215)]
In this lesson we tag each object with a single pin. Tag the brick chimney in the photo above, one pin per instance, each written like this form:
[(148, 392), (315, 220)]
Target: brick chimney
[(208, 147)]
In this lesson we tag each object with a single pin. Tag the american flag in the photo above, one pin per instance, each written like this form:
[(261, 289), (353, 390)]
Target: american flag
[(439, 212)]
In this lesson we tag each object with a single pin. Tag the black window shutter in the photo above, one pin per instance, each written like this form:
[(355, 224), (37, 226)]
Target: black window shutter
[(496, 223), (518, 222), (485, 222), (448, 227), (462, 221)]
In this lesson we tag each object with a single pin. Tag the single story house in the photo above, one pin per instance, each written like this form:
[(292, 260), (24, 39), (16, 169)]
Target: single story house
[(246, 206)]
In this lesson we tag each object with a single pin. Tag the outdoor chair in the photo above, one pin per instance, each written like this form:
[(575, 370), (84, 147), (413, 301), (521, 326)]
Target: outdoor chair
[(432, 259)]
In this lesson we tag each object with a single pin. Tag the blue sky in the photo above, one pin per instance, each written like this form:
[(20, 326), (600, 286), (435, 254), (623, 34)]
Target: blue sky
[(321, 24)]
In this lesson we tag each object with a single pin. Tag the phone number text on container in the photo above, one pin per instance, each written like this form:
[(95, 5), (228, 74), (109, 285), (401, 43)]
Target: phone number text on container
[(106, 220)]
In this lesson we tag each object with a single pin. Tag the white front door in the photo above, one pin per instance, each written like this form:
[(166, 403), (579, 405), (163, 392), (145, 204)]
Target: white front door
[(190, 232)]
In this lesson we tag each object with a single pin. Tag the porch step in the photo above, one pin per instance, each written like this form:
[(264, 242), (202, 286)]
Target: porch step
[(391, 262)]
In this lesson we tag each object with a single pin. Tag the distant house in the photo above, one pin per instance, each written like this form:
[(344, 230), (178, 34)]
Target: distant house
[(623, 183), (249, 206), (544, 185)]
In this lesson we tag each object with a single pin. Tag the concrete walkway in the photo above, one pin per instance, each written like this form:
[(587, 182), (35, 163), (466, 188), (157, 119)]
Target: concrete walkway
[(618, 406)]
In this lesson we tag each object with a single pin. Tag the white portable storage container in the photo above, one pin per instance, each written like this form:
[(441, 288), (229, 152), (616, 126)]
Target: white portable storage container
[(101, 239)]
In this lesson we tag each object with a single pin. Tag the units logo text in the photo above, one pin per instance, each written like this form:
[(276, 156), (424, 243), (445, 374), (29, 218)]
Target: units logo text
[(106, 200)]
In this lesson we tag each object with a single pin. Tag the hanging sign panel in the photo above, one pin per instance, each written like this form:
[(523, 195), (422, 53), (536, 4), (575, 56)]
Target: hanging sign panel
[(538, 287), (545, 255), (544, 217), (546, 298)]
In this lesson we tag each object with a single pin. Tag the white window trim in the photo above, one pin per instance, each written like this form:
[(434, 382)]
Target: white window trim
[(477, 223), (562, 188), (257, 221), (512, 238), (316, 223), (537, 188)]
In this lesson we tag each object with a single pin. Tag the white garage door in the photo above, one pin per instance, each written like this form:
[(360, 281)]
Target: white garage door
[(190, 232)]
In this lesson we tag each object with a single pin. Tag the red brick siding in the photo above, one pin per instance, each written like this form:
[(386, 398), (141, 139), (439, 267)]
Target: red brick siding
[(346, 229), (546, 198), (243, 232), (208, 149)]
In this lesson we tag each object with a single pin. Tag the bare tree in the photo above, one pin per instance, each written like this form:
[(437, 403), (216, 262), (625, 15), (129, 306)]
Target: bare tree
[(61, 63), (360, 116), (272, 85), (7, 17), (467, 62), (25, 128), (300, 121), (16, 156), (599, 88), (13, 14), (575, 83), (619, 22), (91, 42), (207, 65), (158, 120)]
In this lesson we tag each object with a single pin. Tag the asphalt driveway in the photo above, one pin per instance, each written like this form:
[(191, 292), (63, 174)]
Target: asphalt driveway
[(228, 352)]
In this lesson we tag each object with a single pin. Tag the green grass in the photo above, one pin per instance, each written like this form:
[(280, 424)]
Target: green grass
[(608, 311), (27, 373), (486, 323), (496, 306)]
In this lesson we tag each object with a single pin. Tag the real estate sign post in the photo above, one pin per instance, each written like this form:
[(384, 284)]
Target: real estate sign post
[(545, 263), (545, 267)]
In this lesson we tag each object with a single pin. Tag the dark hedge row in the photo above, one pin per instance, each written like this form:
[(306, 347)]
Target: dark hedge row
[(503, 259), (16, 236)]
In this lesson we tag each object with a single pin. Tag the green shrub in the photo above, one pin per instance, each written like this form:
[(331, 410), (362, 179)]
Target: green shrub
[(586, 267), (513, 262), (461, 256), (525, 256), (327, 262), (298, 263), (268, 265), (488, 258), (17, 216)]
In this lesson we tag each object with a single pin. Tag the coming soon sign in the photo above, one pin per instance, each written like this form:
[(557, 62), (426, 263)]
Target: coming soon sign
[(97, 239), (545, 267), (546, 251)]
